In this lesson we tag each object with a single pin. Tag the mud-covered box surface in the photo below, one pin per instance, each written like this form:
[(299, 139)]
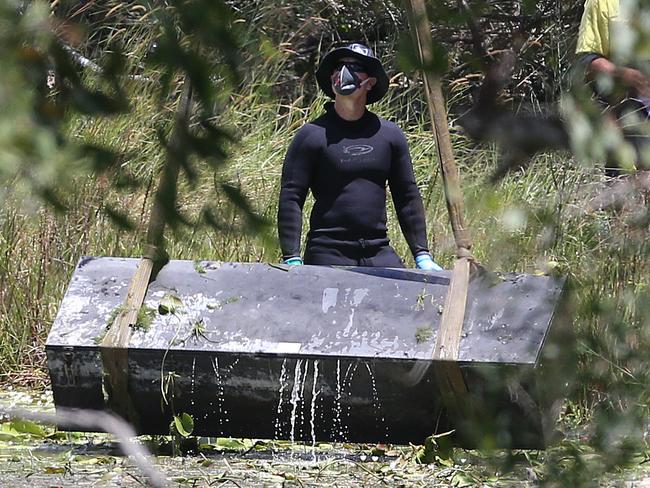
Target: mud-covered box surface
[(309, 310)]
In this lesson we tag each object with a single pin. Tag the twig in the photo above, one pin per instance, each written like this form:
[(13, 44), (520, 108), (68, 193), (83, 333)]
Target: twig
[(256, 443), (370, 472), (478, 38), (84, 62), (226, 480), (611, 363), (136, 479), (57, 260), (228, 466)]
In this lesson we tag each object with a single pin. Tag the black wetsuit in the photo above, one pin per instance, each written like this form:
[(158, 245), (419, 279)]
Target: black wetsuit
[(346, 165)]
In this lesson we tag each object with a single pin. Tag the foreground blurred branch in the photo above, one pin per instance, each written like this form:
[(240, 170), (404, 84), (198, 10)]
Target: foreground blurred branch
[(518, 136), (621, 193), (91, 420)]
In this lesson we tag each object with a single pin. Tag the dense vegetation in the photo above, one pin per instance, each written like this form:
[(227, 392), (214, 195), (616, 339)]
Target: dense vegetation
[(80, 153)]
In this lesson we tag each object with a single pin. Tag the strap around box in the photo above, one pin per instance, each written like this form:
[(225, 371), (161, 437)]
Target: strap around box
[(450, 378)]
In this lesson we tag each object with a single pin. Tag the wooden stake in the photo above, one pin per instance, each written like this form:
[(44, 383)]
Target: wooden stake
[(449, 376), (417, 14), (114, 346)]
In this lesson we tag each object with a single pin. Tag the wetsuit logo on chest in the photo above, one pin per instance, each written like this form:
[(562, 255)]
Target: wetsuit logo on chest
[(358, 149)]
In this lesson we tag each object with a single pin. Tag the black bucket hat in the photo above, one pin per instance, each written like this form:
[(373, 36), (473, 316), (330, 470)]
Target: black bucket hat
[(366, 57)]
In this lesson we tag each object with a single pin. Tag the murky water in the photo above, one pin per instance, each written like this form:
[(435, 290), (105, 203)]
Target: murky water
[(84, 459)]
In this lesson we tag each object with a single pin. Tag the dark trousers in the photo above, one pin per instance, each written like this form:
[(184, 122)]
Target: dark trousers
[(627, 113), (350, 255)]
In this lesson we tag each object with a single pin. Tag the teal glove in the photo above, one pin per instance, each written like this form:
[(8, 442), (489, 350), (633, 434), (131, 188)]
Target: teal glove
[(295, 261), (425, 261)]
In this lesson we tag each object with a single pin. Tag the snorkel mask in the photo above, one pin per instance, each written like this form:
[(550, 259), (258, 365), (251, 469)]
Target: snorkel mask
[(347, 80)]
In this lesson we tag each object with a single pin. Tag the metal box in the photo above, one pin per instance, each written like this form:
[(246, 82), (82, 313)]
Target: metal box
[(315, 353)]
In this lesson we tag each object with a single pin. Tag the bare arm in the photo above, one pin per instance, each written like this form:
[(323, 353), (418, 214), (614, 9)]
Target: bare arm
[(634, 80)]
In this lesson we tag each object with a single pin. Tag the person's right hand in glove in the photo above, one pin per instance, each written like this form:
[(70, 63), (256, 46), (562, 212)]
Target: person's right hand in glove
[(425, 261)]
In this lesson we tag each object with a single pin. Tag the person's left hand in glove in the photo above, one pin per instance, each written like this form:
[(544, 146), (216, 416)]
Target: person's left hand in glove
[(425, 261)]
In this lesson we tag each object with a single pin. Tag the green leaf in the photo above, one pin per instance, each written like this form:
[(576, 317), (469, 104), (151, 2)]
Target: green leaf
[(230, 443), (170, 303), (93, 102), (462, 479), (436, 446), (530, 7), (8, 433), (51, 197), (115, 64), (237, 198), (119, 218), (65, 66), (28, 427), (448, 462), (102, 158), (408, 58), (184, 424), (423, 334), (407, 54), (94, 460), (210, 145)]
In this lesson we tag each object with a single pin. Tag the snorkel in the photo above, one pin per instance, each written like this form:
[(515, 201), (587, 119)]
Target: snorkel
[(347, 80), (342, 70)]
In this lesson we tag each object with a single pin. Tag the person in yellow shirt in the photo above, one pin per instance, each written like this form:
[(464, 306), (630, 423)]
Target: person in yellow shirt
[(596, 48), (622, 89)]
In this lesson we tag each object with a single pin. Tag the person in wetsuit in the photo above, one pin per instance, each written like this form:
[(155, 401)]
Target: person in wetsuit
[(346, 157)]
